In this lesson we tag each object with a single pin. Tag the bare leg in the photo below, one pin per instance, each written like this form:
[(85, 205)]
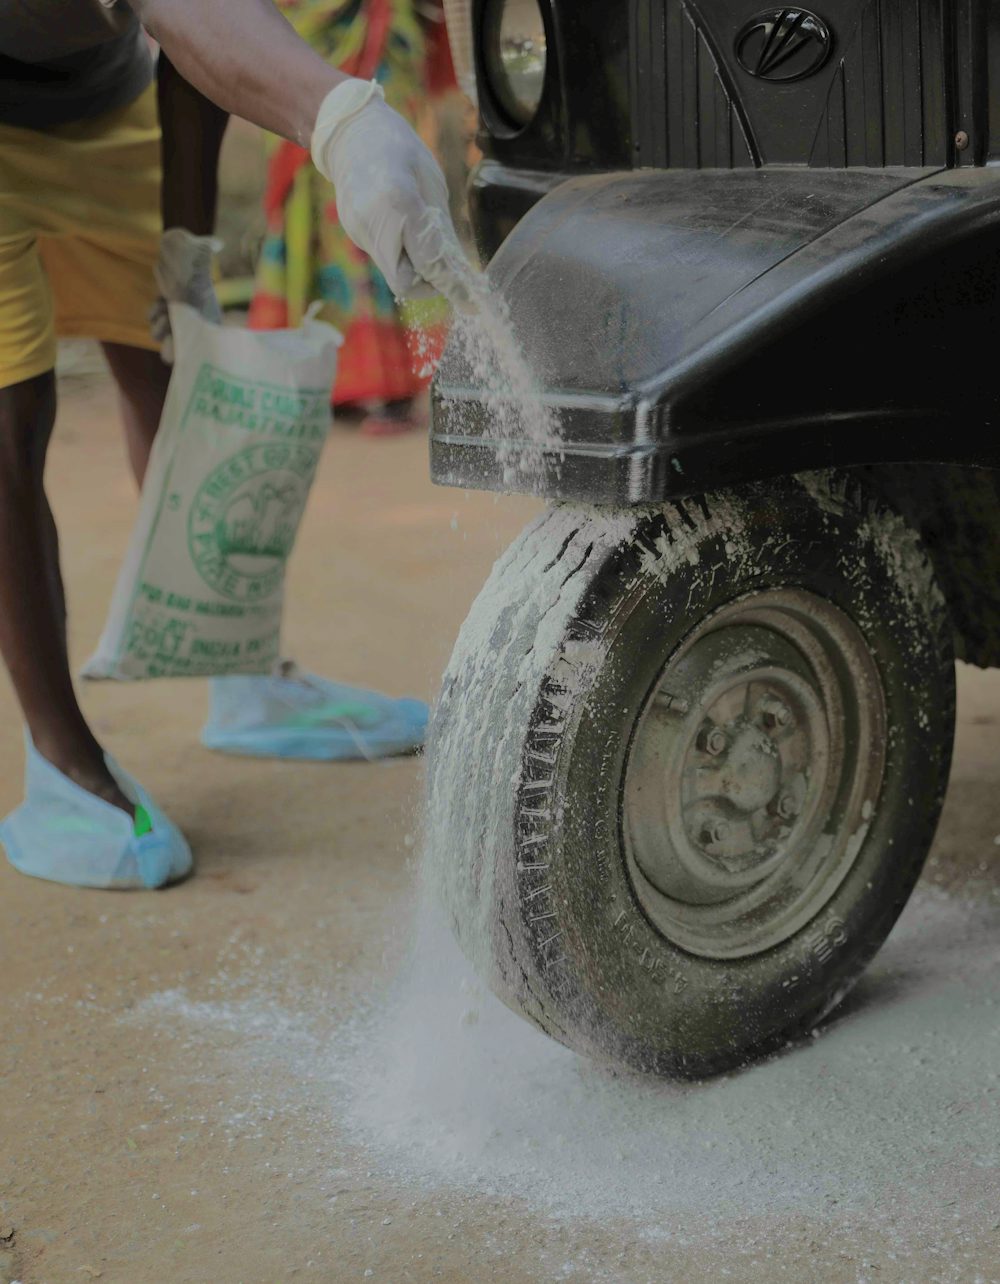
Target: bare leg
[(32, 605), (54, 571), (142, 380)]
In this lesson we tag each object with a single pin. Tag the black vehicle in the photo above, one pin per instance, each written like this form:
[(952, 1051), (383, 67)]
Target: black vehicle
[(693, 744)]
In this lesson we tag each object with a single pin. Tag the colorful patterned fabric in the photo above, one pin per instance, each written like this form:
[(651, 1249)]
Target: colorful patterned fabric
[(306, 255)]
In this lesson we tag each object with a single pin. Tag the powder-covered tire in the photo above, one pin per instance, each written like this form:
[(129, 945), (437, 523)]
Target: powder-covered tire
[(531, 739)]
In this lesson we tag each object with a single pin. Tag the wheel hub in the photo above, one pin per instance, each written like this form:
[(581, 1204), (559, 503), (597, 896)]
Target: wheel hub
[(750, 770), (746, 775)]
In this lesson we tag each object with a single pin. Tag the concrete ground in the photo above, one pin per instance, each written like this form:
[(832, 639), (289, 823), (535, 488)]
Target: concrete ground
[(150, 1130)]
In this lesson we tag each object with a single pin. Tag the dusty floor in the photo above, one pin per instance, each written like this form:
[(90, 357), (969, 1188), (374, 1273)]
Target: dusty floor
[(163, 1112)]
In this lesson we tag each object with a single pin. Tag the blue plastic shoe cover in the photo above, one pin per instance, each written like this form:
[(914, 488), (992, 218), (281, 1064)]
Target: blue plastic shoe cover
[(291, 714), (67, 835)]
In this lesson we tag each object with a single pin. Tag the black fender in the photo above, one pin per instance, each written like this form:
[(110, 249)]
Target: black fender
[(698, 328)]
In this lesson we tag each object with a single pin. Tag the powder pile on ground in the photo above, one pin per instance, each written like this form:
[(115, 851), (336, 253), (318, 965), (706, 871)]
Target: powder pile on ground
[(896, 1100), (886, 1120)]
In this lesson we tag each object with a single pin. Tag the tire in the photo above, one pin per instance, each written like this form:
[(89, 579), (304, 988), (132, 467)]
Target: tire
[(687, 764)]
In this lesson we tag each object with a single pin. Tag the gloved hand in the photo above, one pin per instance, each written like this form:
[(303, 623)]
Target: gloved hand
[(184, 275), (392, 198)]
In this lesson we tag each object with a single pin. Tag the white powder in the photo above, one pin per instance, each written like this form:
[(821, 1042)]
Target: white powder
[(893, 1100), (486, 354), (522, 427), (517, 603), (884, 1119)]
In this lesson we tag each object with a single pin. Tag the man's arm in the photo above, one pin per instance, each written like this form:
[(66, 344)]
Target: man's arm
[(246, 58), (391, 195)]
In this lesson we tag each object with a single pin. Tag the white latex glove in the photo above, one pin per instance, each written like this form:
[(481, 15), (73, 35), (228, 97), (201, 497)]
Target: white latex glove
[(184, 275), (392, 198)]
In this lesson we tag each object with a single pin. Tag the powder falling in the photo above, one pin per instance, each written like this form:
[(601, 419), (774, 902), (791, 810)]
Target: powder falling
[(487, 358)]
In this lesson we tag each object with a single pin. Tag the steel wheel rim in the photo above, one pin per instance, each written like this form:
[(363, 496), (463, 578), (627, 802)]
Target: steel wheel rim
[(754, 770)]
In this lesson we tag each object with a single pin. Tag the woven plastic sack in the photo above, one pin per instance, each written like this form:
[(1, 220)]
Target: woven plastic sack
[(201, 589)]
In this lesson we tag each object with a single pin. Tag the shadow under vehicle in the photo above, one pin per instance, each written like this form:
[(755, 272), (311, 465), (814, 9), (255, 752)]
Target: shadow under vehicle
[(693, 743)]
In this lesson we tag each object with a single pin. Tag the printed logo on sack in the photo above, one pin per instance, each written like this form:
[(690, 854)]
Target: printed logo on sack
[(784, 45), (242, 523)]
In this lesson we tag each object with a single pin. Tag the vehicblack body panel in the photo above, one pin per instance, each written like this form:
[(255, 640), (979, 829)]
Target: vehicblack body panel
[(693, 328)]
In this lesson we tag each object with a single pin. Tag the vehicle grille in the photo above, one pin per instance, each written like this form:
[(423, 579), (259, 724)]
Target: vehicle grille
[(893, 89)]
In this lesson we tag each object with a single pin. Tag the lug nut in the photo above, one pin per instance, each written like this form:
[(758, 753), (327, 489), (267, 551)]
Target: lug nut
[(714, 833), (671, 703), (776, 714), (713, 742)]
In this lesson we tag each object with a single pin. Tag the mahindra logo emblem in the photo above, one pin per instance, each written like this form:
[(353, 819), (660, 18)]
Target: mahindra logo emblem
[(784, 45)]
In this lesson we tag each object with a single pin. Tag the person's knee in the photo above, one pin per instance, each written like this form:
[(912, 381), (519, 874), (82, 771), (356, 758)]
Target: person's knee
[(27, 415)]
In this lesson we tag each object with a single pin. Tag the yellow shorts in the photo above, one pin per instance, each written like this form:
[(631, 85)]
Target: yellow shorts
[(79, 234)]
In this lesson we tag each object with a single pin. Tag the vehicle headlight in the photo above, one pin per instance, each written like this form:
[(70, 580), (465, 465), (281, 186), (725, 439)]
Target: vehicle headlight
[(515, 56)]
